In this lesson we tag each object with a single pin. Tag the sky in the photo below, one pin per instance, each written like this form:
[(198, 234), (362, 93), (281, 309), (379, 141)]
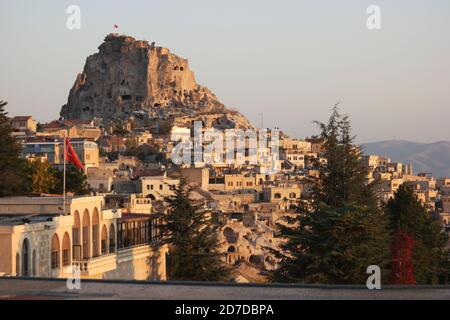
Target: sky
[(289, 61)]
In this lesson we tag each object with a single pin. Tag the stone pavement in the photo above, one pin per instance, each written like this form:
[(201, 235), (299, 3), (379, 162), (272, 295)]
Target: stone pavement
[(14, 288)]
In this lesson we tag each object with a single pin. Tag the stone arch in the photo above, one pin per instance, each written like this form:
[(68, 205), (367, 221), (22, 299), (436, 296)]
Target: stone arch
[(66, 261), (104, 240), (112, 238), (25, 270), (95, 233), (86, 234), (231, 254), (151, 197), (76, 236), (55, 252)]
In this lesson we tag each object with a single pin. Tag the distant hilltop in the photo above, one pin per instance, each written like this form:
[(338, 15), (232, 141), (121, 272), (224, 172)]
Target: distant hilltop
[(129, 76), (426, 157)]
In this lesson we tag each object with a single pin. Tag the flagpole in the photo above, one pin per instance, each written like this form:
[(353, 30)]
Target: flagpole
[(64, 178)]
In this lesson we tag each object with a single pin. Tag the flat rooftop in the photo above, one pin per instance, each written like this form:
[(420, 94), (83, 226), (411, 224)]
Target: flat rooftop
[(19, 218), (26, 288)]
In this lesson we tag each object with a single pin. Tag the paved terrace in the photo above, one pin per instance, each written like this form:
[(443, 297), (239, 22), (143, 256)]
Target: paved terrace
[(25, 288)]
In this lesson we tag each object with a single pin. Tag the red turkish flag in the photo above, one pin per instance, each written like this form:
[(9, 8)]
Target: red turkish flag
[(71, 155)]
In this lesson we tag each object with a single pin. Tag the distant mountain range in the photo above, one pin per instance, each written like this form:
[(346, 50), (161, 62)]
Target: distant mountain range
[(426, 157)]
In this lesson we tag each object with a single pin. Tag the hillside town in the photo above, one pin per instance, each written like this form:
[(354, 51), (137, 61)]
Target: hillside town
[(130, 138), (130, 174)]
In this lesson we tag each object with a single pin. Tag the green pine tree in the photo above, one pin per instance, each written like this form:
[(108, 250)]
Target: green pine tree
[(339, 230), (119, 130), (76, 181), (430, 257), (13, 174), (192, 239)]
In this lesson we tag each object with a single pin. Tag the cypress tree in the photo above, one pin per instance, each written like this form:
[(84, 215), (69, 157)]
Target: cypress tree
[(13, 173), (192, 239), (339, 230)]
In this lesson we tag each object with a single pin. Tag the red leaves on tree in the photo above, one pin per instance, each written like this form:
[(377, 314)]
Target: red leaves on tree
[(401, 252)]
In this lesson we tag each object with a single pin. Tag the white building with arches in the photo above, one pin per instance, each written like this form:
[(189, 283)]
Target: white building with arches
[(40, 239)]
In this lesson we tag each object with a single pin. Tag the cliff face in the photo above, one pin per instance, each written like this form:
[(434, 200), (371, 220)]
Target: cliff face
[(128, 76)]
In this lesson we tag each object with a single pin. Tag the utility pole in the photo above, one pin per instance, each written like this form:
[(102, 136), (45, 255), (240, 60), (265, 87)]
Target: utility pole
[(64, 178)]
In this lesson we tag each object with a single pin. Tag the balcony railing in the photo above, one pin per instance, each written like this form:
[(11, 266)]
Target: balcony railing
[(97, 265)]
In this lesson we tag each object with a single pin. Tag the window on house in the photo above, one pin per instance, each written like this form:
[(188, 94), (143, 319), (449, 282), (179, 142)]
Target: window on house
[(66, 247), (86, 236), (33, 263), (103, 246), (55, 252), (95, 239), (66, 258), (25, 258), (112, 245), (55, 260)]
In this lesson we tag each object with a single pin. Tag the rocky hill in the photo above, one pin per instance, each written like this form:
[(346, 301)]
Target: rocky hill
[(128, 76), (426, 157)]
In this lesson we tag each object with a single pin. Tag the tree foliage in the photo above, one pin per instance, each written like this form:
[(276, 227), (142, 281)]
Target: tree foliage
[(119, 130), (402, 269), (408, 216), (13, 173), (76, 181), (42, 177), (144, 152), (339, 230), (192, 239), (165, 127)]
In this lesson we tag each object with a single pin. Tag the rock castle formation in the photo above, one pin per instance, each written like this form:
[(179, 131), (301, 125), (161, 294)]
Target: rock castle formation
[(128, 76)]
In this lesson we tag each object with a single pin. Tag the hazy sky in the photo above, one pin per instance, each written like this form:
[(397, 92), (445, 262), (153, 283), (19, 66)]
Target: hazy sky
[(290, 60)]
